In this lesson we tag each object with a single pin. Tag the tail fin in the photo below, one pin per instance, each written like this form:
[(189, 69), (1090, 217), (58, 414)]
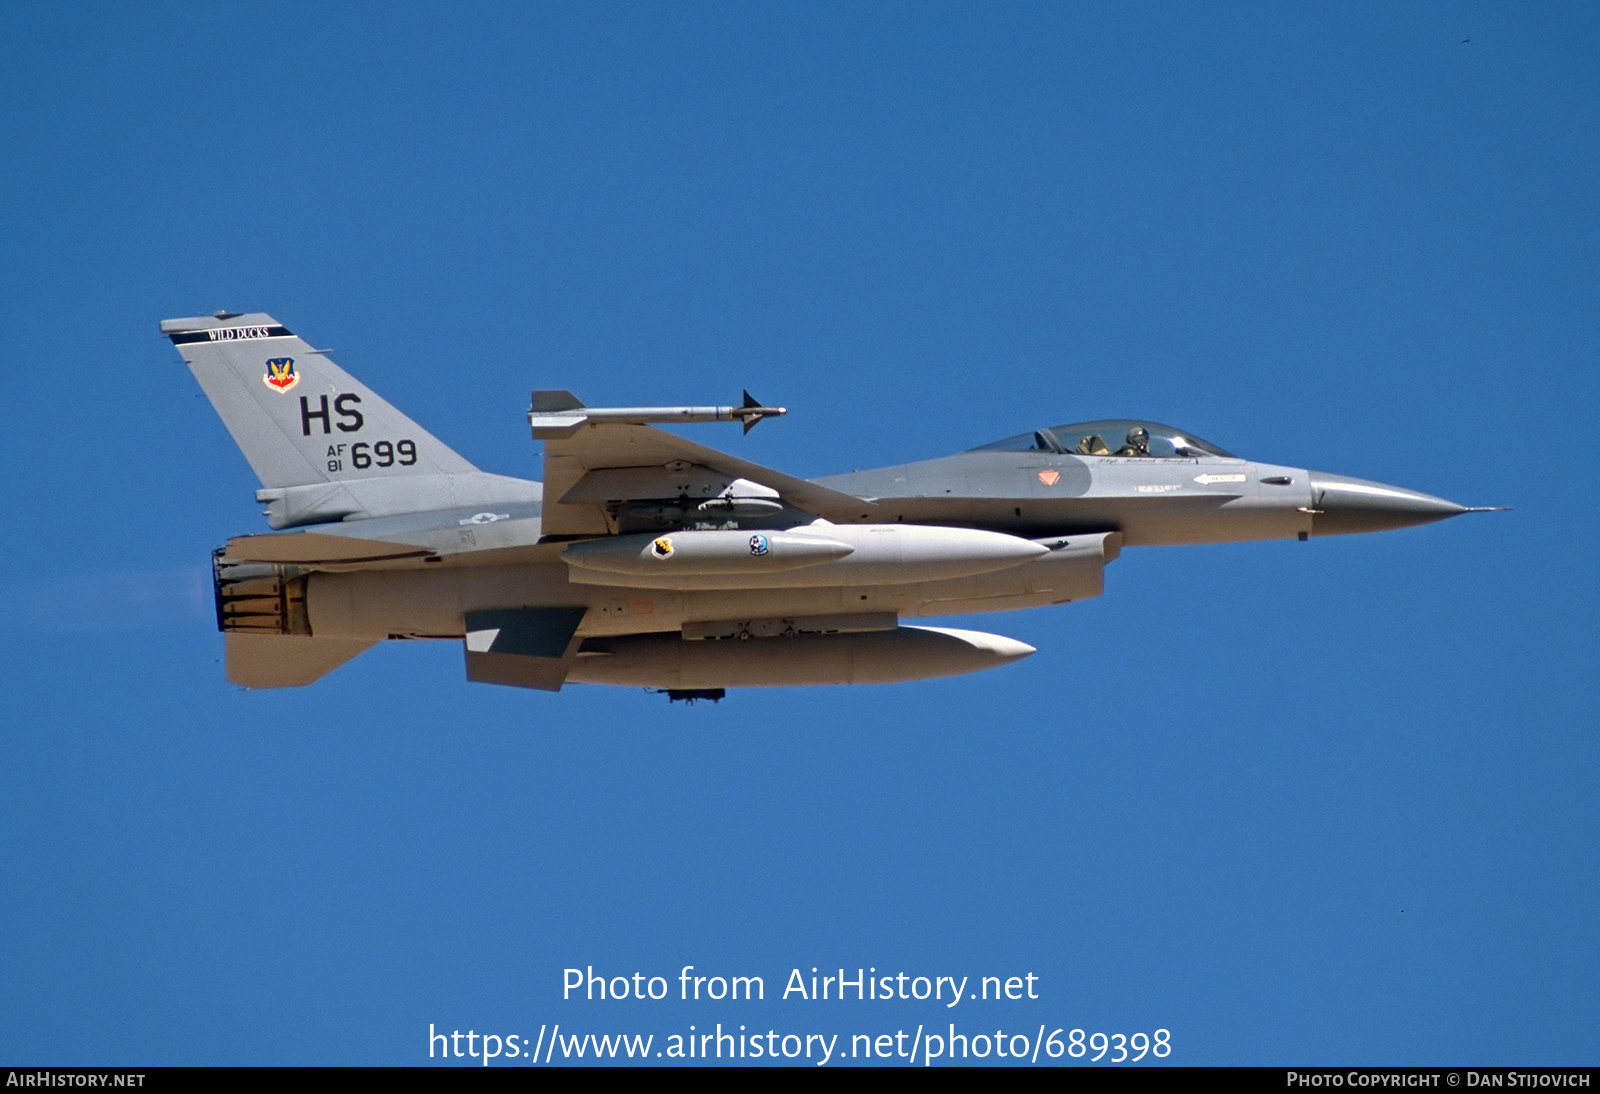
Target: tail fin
[(300, 419)]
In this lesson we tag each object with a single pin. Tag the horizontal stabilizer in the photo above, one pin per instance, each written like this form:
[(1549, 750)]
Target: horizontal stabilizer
[(286, 660), (309, 548)]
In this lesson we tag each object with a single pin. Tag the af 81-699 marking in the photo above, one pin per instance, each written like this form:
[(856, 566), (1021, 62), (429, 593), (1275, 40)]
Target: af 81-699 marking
[(364, 454)]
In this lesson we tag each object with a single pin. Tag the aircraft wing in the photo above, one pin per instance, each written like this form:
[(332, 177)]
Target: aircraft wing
[(601, 462)]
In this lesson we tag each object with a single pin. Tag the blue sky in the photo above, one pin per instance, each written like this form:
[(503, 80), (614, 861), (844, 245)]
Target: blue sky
[(1295, 803)]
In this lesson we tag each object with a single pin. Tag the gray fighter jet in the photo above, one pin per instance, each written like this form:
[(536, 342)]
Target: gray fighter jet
[(647, 560)]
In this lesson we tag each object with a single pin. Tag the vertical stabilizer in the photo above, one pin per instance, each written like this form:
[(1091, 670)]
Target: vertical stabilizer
[(299, 418)]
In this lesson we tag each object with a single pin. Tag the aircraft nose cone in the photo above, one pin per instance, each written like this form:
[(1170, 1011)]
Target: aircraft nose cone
[(1343, 505)]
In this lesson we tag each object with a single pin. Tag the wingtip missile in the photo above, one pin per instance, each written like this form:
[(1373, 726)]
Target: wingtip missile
[(560, 413)]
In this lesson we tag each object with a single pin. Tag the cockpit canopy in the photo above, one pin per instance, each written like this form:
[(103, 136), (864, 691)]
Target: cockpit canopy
[(1111, 437)]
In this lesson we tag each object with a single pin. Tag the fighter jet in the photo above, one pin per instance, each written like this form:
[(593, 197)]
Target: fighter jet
[(647, 560)]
